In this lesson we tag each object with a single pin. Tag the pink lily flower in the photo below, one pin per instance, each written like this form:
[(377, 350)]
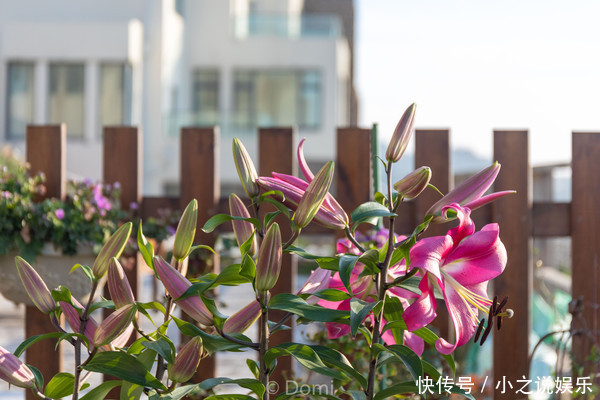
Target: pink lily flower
[(14, 371), (470, 193), (364, 289), (460, 264), (330, 214)]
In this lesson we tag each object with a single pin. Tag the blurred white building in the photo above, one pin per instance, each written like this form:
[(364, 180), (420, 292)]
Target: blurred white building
[(163, 64)]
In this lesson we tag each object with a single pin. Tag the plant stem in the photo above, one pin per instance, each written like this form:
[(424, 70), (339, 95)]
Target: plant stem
[(251, 345), (292, 239), (381, 290), (84, 317), (351, 237), (263, 345)]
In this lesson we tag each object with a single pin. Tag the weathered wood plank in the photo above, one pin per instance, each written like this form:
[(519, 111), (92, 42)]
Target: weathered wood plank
[(585, 235), (276, 153), (47, 153), (513, 213)]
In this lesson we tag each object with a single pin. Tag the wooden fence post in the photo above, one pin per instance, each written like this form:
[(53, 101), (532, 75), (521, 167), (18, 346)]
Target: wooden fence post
[(276, 153), (513, 214), (585, 242), (200, 180), (354, 179), (47, 153), (122, 162), (432, 149)]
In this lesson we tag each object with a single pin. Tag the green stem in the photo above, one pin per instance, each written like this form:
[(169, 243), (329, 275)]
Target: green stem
[(263, 346), (84, 318), (381, 291), (292, 239), (351, 237)]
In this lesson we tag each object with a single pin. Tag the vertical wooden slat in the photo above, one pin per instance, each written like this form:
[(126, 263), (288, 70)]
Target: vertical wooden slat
[(276, 153), (513, 213), (585, 242), (353, 168), (122, 163), (200, 180), (432, 149), (47, 153)]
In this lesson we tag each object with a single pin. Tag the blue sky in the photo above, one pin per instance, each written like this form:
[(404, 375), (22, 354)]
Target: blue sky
[(476, 65)]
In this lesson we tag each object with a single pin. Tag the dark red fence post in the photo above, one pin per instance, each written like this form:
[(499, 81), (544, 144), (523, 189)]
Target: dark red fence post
[(585, 242), (276, 152), (513, 214), (200, 180), (47, 153)]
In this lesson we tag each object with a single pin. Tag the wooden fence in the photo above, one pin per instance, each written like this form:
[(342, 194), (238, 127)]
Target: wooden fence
[(520, 220)]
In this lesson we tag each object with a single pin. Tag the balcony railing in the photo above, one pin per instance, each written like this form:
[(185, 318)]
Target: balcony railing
[(285, 26)]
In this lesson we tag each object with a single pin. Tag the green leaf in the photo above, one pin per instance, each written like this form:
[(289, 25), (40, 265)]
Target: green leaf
[(329, 295), (61, 385), (219, 219), (380, 198), (219, 319), (61, 294), (370, 258), (209, 342), (269, 217), (248, 267), (101, 391), (34, 339), (132, 391), (296, 305), (405, 387), (338, 360), (430, 370), (123, 366), (305, 355), (359, 310), (230, 397), (253, 367), (163, 347), (145, 247), (409, 358), (427, 335), (152, 305), (202, 247), (306, 389), (357, 394), (39, 378), (245, 247), (85, 269), (176, 394), (347, 263), (369, 212)]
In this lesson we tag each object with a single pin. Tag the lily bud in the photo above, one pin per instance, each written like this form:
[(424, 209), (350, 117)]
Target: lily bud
[(414, 183), (313, 198), (118, 285), (114, 325), (242, 229), (187, 361), (470, 192), (243, 319), (268, 262), (112, 248), (318, 280), (176, 284), (186, 231), (74, 320), (401, 135), (35, 287), (245, 168), (14, 371)]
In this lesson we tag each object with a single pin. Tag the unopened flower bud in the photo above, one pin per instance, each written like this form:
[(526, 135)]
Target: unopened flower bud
[(176, 284), (112, 248), (313, 198), (118, 284), (245, 168), (187, 361), (318, 280), (268, 262), (14, 371), (243, 319), (35, 286), (74, 320), (401, 135), (186, 231), (414, 183), (114, 325), (242, 229)]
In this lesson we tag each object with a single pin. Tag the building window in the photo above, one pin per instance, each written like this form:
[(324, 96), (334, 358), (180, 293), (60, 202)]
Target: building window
[(20, 98), (66, 97), (277, 98), (115, 95), (205, 97)]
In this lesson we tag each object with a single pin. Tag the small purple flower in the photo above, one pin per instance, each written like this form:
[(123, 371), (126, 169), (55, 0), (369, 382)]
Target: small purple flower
[(87, 181), (171, 230), (60, 213), (6, 194), (133, 205), (117, 185)]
